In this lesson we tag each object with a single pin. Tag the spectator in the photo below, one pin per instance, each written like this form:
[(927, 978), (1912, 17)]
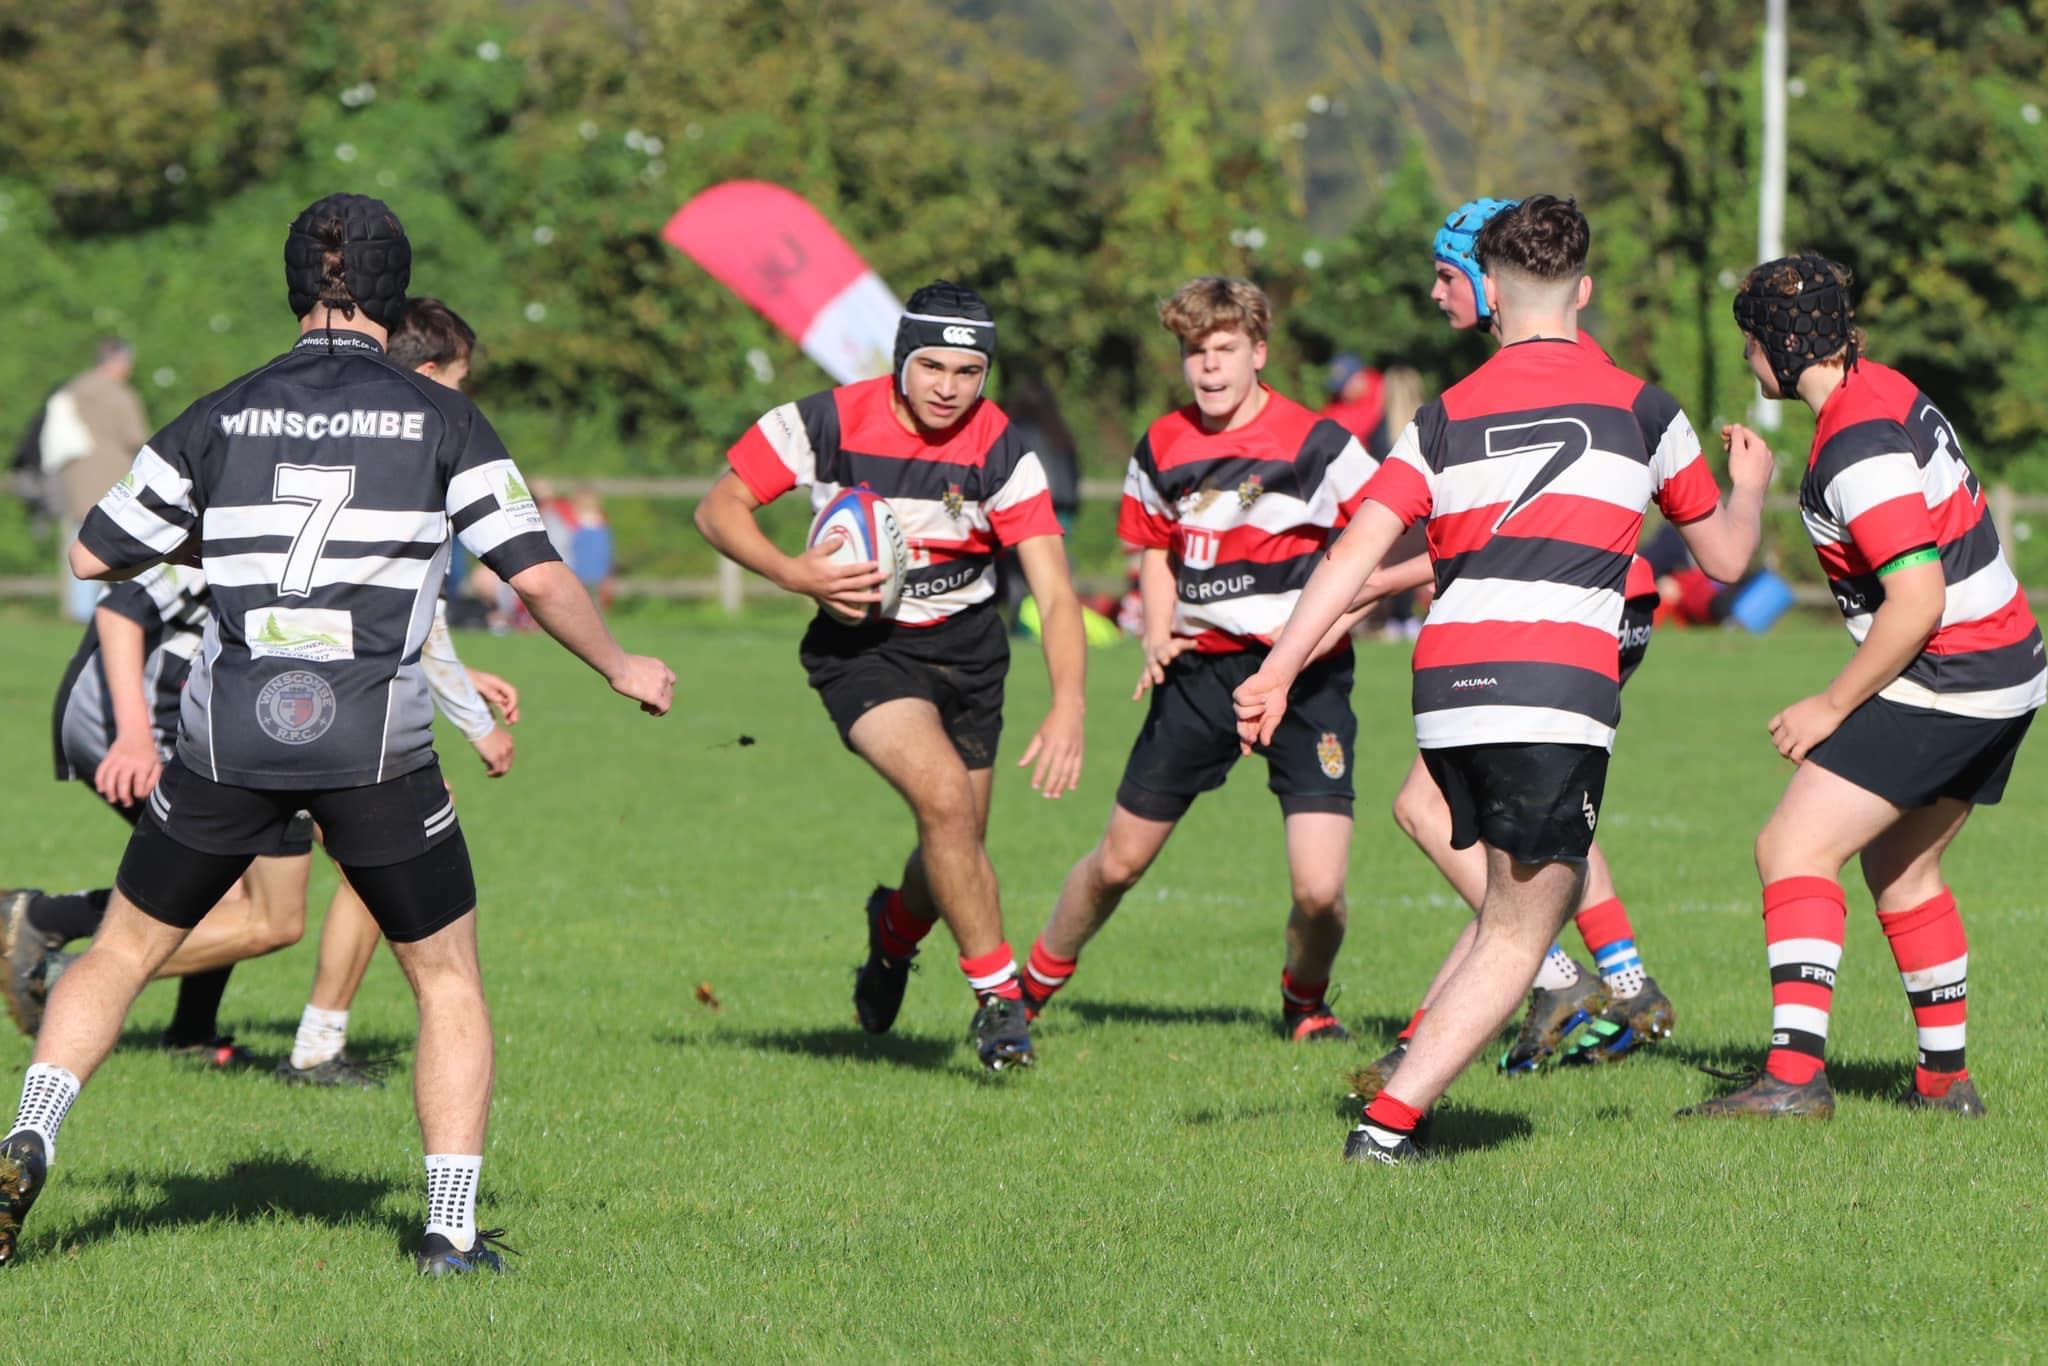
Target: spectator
[(1357, 400), (590, 546), (92, 428)]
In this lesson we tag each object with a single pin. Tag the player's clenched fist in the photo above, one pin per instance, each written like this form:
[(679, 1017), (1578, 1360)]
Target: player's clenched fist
[(1261, 701), (647, 681), (1750, 462)]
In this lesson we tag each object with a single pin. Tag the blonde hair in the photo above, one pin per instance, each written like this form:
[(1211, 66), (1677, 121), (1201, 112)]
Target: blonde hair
[(1400, 396), (1216, 303)]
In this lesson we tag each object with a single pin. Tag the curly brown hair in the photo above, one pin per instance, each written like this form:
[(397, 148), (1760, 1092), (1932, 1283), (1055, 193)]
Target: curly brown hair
[(1217, 303), (1543, 237)]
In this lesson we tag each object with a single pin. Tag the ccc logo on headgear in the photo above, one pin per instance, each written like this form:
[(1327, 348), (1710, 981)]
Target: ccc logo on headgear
[(958, 336)]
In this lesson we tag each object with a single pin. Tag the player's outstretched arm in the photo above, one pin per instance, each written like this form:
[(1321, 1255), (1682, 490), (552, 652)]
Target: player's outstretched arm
[(1262, 699), (1725, 540), (726, 519), (1054, 754), (563, 608)]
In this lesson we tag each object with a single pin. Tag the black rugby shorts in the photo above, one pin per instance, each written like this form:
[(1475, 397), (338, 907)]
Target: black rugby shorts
[(958, 665), (398, 841), (1536, 803), (1914, 756), (1189, 741)]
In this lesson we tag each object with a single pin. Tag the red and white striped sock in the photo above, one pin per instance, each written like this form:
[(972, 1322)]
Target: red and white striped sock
[(993, 973), (1934, 963), (1044, 973), (1803, 922), (1299, 997), (900, 930)]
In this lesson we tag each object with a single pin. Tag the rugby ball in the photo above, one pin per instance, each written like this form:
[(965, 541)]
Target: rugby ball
[(865, 528)]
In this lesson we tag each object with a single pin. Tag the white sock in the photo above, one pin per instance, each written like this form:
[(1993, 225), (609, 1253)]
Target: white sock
[(46, 1095), (451, 1197), (1558, 970), (322, 1033)]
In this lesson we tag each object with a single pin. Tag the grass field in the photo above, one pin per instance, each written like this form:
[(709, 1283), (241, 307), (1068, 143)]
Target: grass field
[(762, 1180)]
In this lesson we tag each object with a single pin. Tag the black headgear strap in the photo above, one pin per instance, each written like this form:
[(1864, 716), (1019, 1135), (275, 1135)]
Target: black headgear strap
[(1797, 308), (376, 258), (944, 316)]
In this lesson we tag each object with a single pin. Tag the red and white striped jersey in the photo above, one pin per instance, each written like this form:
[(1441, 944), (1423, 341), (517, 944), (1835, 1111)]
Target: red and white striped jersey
[(1886, 477), (1243, 513), (959, 498), (1534, 472)]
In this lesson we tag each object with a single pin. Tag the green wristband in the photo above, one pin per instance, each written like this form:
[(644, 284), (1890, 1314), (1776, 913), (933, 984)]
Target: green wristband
[(1909, 559)]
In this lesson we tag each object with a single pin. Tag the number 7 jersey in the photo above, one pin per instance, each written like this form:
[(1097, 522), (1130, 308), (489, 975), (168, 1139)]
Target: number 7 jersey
[(1534, 472), (324, 486)]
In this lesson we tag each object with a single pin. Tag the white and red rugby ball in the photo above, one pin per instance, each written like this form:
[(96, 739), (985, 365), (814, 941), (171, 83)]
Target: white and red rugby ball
[(866, 528)]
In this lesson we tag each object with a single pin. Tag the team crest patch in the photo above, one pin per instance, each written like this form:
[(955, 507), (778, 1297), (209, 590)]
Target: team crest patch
[(1330, 754), (296, 708), (954, 500), (1248, 493)]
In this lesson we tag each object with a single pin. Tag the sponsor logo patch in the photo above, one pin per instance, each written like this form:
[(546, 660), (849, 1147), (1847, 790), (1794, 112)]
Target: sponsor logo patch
[(957, 336), (296, 708), (518, 503), (1330, 754), (318, 635), (1586, 806)]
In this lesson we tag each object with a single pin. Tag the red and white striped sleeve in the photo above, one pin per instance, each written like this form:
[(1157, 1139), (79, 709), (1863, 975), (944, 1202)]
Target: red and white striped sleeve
[(1144, 517), (1879, 496), (775, 455), (1404, 484)]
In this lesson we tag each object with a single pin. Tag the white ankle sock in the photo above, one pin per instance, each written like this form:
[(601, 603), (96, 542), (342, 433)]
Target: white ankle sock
[(46, 1095), (322, 1035), (451, 1197), (1558, 970)]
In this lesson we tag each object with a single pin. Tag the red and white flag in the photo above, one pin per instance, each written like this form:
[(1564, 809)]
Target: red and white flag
[(770, 247)]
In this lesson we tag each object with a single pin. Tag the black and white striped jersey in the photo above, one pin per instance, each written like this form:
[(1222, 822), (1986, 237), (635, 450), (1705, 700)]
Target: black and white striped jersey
[(169, 603), (323, 486)]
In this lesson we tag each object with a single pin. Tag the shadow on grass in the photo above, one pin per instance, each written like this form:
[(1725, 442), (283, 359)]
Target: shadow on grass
[(902, 1050), (1456, 1129), (1868, 1078), (1139, 1012), (245, 1192), (385, 1050)]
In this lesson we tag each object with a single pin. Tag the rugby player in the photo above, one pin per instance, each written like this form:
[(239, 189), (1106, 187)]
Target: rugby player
[(1232, 499), (919, 696), (431, 339), (1534, 473), (318, 493), (128, 675), (1918, 729), (1590, 1017), (115, 725)]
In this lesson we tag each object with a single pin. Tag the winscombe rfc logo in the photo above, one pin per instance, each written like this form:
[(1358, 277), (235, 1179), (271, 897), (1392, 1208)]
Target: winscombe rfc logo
[(954, 499), (296, 708), (1248, 492), (1330, 754)]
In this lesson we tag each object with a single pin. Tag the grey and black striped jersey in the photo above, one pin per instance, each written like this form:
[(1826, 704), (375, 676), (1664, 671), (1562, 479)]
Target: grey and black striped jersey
[(323, 486), (169, 603)]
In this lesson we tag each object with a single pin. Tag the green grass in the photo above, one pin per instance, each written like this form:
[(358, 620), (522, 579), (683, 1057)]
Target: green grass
[(764, 1181)]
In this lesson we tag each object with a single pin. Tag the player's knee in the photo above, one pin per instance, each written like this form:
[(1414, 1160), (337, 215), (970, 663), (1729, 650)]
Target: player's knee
[(1118, 865), (1779, 852), (1414, 808), (947, 819), (1320, 898)]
